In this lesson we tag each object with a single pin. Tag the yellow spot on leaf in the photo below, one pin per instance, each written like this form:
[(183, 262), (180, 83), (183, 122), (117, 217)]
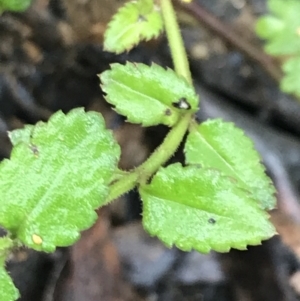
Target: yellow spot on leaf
[(37, 239), (187, 1), (298, 31)]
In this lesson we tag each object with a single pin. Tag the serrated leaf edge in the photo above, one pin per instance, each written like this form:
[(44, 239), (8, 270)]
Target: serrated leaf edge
[(195, 244), (142, 66), (124, 48)]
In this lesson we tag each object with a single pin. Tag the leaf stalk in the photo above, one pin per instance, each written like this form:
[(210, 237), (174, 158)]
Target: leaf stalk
[(160, 156), (178, 53)]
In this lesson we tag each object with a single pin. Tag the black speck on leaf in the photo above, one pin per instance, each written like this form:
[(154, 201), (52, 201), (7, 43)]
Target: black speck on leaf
[(212, 220), (142, 18), (168, 112), (34, 149)]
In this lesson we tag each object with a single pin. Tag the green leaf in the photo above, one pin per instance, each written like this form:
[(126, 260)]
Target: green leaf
[(55, 179), (8, 291), (134, 22), (201, 209), (281, 29), (149, 95), (282, 9), (14, 5), (290, 82), (21, 135), (222, 146), (269, 27), (5, 244)]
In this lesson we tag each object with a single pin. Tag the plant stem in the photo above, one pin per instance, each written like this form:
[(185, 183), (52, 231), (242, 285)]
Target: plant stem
[(172, 141), (122, 186), (179, 56), (165, 151), (161, 155)]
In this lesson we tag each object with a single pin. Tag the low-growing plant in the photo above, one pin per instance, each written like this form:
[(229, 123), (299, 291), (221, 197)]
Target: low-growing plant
[(61, 171), (281, 30), (14, 5)]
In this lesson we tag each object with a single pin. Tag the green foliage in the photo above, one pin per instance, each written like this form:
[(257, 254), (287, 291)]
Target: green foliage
[(8, 291), (58, 174), (61, 171), (6, 243), (281, 30), (21, 135), (222, 146), (136, 21), (199, 208), (14, 5), (131, 89), (291, 81)]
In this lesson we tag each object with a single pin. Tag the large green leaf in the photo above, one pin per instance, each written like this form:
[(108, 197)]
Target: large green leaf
[(198, 208), (149, 95), (8, 291), (56, 177), (134, 22), (220, 145)]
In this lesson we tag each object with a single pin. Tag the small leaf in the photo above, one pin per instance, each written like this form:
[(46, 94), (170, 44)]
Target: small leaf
[(269, 26), (220, 145), (281, 29), (149, 95), (134, 22), (201, 209), (57, 175), (8, 291), (290, 82), (14, 5)]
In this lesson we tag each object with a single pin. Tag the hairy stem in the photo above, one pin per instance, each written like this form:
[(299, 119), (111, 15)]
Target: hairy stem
[(160, 156), (179, 56), (122, 186), (165, 151)]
